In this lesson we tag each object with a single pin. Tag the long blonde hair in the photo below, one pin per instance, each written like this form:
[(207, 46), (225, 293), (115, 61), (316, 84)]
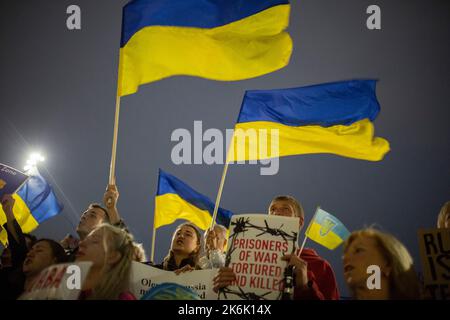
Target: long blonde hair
[(403, 280), (442, 215), (115, 279), (195, 255), (139, 252)]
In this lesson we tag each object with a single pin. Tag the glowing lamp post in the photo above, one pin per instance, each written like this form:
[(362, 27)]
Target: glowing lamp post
[(34, 159)]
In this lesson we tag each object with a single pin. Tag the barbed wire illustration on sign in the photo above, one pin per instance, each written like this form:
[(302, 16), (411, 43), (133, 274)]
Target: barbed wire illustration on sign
[(243, 295)]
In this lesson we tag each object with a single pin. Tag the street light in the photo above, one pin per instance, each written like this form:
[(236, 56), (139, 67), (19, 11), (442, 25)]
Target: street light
[(34, 159)]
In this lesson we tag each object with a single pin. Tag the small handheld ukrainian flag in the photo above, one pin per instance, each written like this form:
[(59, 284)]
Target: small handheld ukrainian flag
[(327, 230)]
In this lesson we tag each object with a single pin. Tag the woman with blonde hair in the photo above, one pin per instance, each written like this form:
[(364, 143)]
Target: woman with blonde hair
[(185, 249), (370, 247), (139, 253), (443, 221), (111, 250)]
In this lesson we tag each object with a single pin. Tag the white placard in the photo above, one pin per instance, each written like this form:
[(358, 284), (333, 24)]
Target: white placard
[(144, 277), (256, 244), (59, 282)]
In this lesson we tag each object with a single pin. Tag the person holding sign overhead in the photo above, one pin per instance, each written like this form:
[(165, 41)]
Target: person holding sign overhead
[(314, 277), (368, 248)]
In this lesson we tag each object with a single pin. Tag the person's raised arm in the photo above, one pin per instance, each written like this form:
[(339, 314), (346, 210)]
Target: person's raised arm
[(110, 201)]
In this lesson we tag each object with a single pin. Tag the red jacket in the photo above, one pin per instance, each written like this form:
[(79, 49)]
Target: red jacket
[(321, 280)]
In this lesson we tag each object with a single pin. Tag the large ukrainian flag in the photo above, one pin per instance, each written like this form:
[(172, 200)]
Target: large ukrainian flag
[(327, 230), (326, 118), (215, 39), (176, 200), (35, 202)]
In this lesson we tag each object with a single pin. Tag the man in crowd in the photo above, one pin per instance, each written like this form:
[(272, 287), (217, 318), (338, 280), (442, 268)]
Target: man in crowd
[(215, 246), (314, 277), (95, 215)]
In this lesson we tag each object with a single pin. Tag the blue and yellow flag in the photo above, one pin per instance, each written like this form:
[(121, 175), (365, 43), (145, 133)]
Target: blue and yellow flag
[(35, 202), (326, 118), (176, 200), (223, 40), (326, 230)]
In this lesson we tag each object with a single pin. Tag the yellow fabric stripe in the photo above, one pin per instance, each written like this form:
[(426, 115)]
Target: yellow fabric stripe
[(23, 216), (169, 207), (330, 240), (243, 49), (354, 141)]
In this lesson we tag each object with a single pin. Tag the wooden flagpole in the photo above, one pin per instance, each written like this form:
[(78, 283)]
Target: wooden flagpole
[(303, 245), (112, 168), (306, 237), (222, 182), (153, 243), (219, 194)]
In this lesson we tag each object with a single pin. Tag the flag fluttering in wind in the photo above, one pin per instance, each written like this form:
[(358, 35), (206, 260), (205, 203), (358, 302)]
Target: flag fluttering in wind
[(35, 202), (326, 230), (176, 200), (334, 118), (217, 39)]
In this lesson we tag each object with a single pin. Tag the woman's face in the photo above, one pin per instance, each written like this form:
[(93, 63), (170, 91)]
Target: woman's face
[(185, 241), (92, 248), (38, 258), (362, 252)]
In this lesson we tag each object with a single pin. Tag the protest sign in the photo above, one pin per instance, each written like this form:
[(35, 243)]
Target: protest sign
[(256, 244), (10, 180), (59, 282), (144, 277), (170, 291), (434, 245)]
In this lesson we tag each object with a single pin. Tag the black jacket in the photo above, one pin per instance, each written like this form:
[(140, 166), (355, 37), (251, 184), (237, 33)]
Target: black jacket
[(172, 266), (12, 279)]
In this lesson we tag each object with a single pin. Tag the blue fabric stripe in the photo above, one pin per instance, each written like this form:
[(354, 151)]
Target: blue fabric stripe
[(339, 229), (39, 197), (327, 104), (138, 14), (170, 184)]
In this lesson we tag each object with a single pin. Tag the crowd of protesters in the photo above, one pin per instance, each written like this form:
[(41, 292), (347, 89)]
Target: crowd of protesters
[(104, 240)]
